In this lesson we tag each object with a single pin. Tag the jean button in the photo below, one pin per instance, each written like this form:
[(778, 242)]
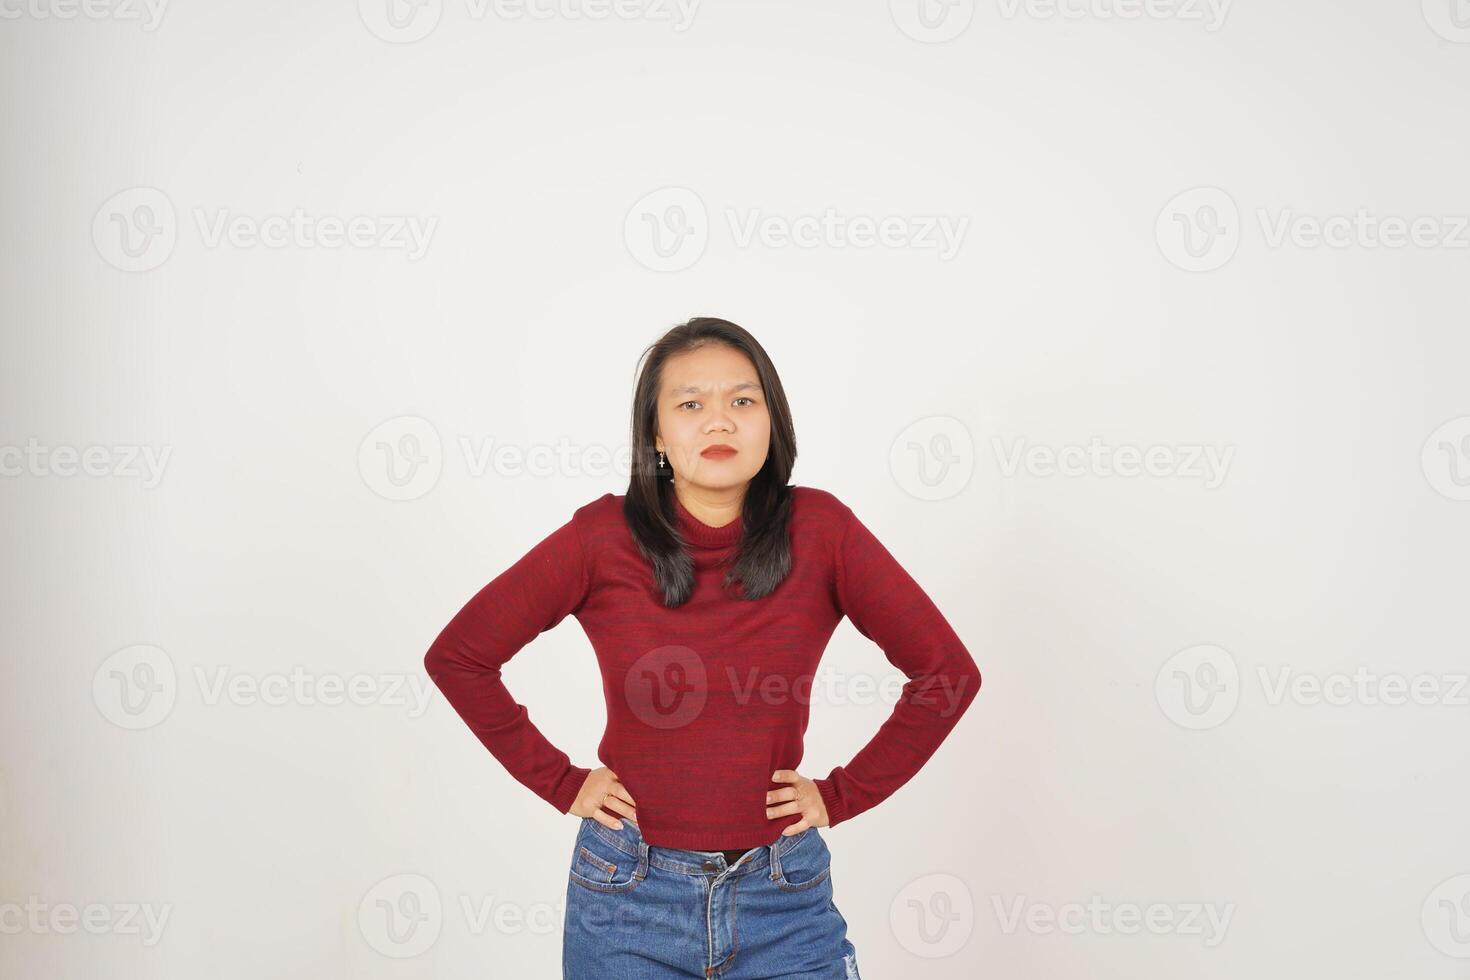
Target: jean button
[(711, 866)]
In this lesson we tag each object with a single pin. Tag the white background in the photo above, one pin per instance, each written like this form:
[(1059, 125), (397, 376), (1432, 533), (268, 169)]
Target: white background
[(544, 150)]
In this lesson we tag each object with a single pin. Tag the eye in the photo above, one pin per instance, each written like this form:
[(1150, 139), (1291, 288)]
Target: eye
[(743, 398), (688, 403)]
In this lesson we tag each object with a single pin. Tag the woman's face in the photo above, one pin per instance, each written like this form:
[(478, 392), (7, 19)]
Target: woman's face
[(712, 397)]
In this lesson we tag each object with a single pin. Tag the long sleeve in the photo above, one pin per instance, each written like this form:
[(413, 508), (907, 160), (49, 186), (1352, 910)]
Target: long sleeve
[(888, 607), (533, 595)]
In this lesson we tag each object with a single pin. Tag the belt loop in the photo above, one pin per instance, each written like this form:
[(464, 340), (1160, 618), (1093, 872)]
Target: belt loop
[(775, 859), (642, 870)]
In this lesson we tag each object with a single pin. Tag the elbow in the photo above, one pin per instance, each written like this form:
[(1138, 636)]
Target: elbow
[(966, 681), (435, 661)]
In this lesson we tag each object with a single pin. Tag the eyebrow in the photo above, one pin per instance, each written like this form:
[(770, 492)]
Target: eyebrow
[(700, 389)]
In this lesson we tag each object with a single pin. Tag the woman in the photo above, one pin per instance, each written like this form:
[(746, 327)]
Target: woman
[(708, 593)]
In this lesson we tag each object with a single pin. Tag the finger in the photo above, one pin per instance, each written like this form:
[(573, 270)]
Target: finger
[(607, 821), (784, 776), (795, 828), (618, 806), (622, 791), (784, 793), (782, 810)]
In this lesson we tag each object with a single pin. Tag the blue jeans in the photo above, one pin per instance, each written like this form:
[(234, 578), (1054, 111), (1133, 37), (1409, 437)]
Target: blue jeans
[(639, 912)]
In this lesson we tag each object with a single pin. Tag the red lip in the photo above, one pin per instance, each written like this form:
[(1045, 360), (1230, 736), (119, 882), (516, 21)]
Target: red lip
[(720, 451)]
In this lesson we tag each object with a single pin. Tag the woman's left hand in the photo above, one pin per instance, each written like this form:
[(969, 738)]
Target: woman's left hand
[(802, 797)]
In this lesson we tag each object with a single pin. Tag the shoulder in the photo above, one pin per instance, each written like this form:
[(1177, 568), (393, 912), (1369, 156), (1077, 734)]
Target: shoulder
[(600, 510), (820, 511), (597, 518)]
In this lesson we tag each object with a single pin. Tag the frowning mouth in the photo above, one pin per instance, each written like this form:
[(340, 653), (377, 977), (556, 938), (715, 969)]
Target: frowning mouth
[(720, 451)]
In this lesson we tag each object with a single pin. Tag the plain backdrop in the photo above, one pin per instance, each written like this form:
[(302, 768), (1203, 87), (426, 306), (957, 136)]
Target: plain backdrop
[(212, 705)]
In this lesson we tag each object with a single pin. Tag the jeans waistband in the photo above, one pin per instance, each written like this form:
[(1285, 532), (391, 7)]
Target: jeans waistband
[(630, 841)]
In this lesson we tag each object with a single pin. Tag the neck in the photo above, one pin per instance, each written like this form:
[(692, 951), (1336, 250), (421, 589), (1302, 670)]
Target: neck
[(712, 533)]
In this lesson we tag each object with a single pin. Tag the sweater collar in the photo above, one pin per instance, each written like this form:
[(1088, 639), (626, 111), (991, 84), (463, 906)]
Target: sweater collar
[(700, 534)]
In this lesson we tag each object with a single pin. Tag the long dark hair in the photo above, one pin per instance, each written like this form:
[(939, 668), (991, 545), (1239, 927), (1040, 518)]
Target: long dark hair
[(764, 555)]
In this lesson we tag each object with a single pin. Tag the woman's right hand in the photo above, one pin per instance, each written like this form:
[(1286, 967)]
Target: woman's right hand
[(602, 789)]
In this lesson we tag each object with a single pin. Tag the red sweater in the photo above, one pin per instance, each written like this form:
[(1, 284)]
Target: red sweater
[(705, 701)]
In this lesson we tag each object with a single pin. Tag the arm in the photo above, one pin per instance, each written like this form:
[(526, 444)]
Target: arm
[(888, 607), (530, 597)]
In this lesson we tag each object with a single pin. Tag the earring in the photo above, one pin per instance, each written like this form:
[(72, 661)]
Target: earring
[(663, 463)]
